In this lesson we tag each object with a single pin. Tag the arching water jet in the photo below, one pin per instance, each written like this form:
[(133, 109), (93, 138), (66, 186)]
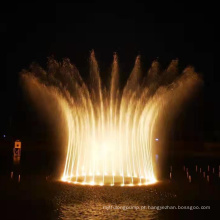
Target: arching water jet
[(111, 132)]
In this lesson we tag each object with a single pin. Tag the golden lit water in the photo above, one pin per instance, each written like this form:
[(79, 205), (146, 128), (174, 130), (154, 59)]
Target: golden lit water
[(111, 131)]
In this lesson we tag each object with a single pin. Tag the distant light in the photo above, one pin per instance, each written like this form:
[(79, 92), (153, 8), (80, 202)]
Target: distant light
[(156, 139), (4, 135)]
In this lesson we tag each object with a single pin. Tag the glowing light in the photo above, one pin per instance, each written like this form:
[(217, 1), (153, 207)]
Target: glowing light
[(110, 133), (63, 179)]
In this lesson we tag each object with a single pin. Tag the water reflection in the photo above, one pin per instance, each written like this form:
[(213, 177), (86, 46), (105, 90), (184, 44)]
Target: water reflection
[(85, 202), (94, 210)]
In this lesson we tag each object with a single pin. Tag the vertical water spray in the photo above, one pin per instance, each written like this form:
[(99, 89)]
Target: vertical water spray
[(111, 132)]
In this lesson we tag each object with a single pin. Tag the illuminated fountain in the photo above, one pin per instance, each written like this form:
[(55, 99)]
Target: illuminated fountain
[(111, 131)]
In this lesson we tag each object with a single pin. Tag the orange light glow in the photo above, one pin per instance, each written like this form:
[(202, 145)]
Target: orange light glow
[(111, 132)]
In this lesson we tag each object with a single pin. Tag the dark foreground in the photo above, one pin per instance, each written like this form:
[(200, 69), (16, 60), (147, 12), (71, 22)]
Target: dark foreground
[(36, 198)]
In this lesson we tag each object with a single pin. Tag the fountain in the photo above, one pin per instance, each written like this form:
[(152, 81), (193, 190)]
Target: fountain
[(111, 131)]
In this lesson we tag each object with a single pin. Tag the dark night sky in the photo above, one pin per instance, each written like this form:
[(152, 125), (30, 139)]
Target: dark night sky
[(34, 32)]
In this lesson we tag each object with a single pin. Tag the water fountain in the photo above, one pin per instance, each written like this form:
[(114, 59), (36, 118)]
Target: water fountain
[(111, 132)]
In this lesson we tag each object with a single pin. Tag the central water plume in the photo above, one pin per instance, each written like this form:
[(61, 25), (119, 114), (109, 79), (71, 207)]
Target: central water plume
[(111, 132)]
